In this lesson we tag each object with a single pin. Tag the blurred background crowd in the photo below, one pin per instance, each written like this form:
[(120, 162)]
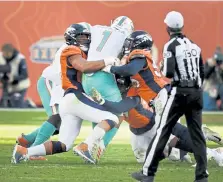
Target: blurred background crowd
[(213, 83), (14, 78)]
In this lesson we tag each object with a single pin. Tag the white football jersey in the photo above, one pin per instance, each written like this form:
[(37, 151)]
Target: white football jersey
[(53, 71), (105, 42)]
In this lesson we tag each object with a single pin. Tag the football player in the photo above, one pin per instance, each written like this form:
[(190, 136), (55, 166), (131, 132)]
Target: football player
[(140, 141), (106, 41), (50, 92), (72, 64), (149, 82)]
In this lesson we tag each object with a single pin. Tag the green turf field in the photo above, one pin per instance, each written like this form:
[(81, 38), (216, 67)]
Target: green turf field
[(115, 166)]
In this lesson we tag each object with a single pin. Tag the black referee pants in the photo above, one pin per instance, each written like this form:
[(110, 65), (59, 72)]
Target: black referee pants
[(181, 101)]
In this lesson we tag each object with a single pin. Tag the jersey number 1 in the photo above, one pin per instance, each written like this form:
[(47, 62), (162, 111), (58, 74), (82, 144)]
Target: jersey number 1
[(106, 34)]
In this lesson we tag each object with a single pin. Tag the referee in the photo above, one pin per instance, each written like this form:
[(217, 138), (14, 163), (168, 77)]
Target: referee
[(183, 64)]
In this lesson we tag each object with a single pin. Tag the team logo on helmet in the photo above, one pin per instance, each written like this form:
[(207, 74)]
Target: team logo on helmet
[(142, 38)]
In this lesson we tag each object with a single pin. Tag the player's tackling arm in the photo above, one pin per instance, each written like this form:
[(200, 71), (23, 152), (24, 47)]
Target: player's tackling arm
[(129, 69), (122, 106), (81, 64)]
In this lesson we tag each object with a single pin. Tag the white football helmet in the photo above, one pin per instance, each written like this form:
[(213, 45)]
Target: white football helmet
[(123, 23)]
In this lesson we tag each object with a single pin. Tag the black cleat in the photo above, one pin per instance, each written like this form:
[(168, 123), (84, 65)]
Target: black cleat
[(139, 176), (202, 180)]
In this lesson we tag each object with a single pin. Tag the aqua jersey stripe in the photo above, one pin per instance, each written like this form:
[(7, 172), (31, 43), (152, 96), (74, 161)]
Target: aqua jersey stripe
[(121, 21), (88, 26)]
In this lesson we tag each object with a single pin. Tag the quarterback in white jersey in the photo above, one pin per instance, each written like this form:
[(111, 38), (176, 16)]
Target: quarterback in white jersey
[(106, 41)]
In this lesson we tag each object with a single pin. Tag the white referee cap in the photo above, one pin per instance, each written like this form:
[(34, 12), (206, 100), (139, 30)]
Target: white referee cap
[(174, 19)]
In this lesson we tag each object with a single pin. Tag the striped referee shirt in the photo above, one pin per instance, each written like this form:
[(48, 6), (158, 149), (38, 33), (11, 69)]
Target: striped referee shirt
[(182, 60)]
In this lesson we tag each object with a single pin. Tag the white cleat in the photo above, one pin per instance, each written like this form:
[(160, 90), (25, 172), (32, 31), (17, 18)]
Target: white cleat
[(19, 154), (99, 150), (218, 156), (187, 159), (174, 154), (83, 151), (211, 135)]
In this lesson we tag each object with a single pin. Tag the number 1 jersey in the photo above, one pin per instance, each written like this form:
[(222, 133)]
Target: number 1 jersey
[(105, 42)]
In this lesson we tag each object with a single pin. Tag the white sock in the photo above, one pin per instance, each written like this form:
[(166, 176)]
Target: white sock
[(97, 134), (38, 150)]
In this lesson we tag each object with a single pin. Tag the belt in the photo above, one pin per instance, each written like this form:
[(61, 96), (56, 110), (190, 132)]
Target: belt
[(185, 84)]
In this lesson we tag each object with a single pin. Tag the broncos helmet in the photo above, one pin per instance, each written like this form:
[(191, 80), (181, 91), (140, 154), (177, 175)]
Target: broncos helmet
[(137, 40), (73, 34)]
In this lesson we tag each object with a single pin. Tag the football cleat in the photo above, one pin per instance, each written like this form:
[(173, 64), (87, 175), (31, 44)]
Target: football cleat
[(211, 135), (139, 176), (19, 154), (37, 158), (83, 151), (21, 140), (187, 159), (174, 154), (98, 150), (218, 156)]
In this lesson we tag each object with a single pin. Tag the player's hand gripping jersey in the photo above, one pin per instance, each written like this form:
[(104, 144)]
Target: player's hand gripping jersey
[(105, 42)]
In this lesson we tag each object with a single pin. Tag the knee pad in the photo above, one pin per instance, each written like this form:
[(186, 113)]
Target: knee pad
[(57, 147), (111, 123), (55, 120)]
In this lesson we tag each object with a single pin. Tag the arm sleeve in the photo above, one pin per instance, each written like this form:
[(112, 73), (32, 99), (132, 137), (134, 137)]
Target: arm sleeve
[(22, 72), (129, 69), (122, 106), (201, 66), (169, 61)]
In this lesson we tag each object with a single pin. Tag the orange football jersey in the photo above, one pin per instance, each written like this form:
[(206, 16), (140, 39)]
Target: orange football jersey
[(150, 83), (70, 77)]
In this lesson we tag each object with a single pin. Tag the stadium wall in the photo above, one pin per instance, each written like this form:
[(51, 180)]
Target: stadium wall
[(33, 27)]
